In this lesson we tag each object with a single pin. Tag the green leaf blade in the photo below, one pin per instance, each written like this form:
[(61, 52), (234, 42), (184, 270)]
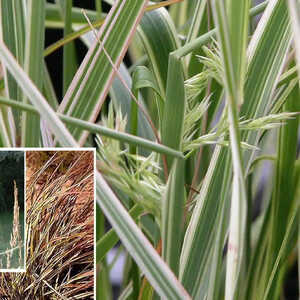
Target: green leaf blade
[(33, 66)]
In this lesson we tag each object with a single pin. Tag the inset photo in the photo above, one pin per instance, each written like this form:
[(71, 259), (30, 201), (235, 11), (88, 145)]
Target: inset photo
[(12, 208), (59, 227)]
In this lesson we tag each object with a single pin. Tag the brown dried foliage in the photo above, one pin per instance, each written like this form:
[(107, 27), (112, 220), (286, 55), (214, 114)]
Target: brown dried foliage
[(60, 229)]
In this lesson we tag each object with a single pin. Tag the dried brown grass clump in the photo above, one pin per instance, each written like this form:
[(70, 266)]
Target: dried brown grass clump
[(60, 230)]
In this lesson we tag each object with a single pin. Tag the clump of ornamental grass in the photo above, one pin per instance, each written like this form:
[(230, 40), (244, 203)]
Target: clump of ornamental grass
[(206, 91), (60, 230)]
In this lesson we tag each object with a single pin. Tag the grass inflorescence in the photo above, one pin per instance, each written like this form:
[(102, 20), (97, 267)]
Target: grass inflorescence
[(16, 243)]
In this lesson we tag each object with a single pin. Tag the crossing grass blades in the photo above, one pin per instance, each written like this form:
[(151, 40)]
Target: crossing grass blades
[(197, 139)]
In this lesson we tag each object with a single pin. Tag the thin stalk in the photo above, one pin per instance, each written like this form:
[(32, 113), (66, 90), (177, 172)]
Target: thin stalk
[(95, 128), (98, 5), (134, 119)]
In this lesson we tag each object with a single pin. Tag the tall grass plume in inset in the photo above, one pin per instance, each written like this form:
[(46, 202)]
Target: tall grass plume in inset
[(11, 211)]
